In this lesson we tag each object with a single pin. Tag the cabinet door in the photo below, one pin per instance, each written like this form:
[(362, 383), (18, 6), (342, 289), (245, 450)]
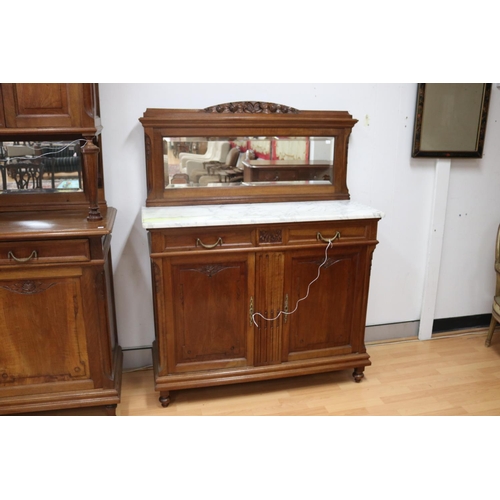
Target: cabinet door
[(207, 312), (331, 320), (42, 330), (42, 105)]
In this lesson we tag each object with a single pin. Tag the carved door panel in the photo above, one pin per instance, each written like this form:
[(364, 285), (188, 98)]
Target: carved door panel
[(42, 105), (208, 324), (268, 304), (326, 323), (42, 330)]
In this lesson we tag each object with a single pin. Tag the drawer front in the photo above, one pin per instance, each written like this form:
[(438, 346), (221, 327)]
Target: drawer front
[(46, 251), (202, 239), (322, 232)]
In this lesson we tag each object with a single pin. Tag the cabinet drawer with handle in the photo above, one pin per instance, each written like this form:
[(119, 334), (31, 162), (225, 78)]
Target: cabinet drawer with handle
[(342, 232), (200, 239), (46, 251)]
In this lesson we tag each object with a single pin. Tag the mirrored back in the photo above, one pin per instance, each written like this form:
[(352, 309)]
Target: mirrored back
[(245, 152), (196, 162), (40, 166)]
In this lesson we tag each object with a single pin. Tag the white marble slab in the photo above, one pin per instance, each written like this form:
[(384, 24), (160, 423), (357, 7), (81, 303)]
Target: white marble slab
[(255, 213)]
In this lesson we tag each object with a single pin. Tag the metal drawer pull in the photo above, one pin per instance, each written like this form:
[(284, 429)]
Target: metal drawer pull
[(200, 243), (319, 237), (33, 255)]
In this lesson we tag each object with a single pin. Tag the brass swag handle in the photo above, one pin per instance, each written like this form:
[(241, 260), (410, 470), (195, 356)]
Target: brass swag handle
[(199, 243), (319, 237), (33, 255)]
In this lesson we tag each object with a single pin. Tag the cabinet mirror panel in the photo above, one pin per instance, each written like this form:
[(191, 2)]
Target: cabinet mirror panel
[(245, 152), (192, 162), (41, 166)]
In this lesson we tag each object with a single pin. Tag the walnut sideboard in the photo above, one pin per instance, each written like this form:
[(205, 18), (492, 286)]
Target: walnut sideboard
[(236, 297)]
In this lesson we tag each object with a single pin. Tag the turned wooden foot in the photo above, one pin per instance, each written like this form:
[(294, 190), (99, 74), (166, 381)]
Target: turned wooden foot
[(164, 398), (358, 374), (493, 324), (110, 410)]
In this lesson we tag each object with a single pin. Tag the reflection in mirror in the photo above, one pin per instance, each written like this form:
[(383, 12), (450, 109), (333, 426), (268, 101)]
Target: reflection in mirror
[(247, 161), (41, 166)]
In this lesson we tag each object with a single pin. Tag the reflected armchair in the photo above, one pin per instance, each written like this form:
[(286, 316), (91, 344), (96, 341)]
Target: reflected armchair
[(216, 151), (195, 168), (495, 314), (217, 171)]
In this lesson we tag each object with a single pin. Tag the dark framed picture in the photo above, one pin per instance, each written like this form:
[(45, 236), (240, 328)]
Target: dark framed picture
[(450, 120)]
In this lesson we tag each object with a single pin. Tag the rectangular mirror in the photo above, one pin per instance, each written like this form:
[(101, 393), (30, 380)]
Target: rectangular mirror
[(41, 166), (245, 161), (450, 119)]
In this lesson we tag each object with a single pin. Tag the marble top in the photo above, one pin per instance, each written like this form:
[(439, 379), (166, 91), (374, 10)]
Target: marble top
[(255, 213)]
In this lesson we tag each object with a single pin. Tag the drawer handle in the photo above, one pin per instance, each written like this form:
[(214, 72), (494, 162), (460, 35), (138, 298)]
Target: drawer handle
[(33, 255), (199, 243), (319, 237)]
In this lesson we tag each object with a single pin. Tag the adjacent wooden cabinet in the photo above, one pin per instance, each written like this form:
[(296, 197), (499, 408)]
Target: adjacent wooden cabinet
[(58, 340), (49, 105), (31, 112)]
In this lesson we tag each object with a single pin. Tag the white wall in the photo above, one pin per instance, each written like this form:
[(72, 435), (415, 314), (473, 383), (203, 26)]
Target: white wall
[(381, 173)]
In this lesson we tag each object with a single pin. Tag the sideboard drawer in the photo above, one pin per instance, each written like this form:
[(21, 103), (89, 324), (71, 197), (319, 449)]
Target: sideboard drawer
[(201, 239), (322, 232), (46, 251)]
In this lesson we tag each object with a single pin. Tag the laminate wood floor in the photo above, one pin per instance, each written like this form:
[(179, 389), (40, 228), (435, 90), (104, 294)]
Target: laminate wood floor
[(452, 375)]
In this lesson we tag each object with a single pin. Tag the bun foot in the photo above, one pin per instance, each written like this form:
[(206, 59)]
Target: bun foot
[(358, 374), (110, 410), (164, 399)]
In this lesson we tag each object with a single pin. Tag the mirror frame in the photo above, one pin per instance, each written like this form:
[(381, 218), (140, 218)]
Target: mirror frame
[(242, 119), (423, 122), (91, 197)]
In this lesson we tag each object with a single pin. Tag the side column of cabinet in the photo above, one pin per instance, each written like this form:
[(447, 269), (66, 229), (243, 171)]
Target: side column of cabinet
[(58, 339), (246, 305)]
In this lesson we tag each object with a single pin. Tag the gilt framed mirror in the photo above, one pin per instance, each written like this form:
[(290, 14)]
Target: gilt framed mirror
[(450, 120), (245, 152)]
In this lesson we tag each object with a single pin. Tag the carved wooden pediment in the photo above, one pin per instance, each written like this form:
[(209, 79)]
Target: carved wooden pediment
[(250, 107)]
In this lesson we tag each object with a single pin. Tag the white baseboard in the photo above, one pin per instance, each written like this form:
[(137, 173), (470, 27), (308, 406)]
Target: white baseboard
[(391, 331), (137, 359)]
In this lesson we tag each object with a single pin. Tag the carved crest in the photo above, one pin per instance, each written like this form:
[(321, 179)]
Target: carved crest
[(253, 107), (270, 236), (211, 269), (28, 287)]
